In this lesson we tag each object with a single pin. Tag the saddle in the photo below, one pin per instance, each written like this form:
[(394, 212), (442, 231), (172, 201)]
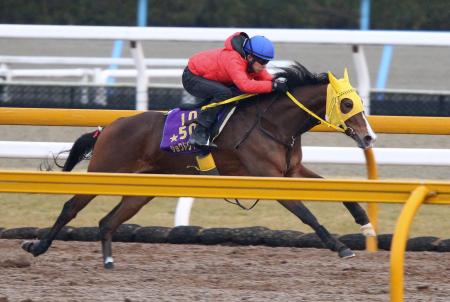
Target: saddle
[(180, 123)]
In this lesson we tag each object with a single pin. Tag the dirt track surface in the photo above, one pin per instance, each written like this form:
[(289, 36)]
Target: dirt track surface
[(72, 271)]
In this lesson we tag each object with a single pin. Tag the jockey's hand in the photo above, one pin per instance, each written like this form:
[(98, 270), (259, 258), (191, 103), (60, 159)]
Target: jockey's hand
[(280, 85)]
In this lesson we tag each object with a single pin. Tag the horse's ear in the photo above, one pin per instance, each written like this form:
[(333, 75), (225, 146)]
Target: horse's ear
[(333, 81), (346, 75)]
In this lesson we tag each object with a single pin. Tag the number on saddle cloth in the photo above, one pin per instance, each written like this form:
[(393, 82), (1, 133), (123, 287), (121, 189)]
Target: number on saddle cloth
[(179, 126), (177, 131)]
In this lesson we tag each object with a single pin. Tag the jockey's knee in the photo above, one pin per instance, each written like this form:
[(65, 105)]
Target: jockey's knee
[(224, 94)]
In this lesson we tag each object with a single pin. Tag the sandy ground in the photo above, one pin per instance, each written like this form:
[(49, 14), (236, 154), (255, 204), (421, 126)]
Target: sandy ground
[(72, 271)]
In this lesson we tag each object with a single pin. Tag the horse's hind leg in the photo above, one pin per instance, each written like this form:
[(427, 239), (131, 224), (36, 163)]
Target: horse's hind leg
[(69, 212), (301, 211), (126, 209), (358, 213)]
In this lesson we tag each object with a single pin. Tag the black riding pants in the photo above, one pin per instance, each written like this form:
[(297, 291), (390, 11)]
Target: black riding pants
[(210, 91)]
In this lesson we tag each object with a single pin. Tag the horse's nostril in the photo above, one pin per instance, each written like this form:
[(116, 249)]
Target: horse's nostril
[(368, 139)]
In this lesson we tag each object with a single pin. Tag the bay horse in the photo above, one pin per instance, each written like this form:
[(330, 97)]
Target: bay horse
[(262, 138)]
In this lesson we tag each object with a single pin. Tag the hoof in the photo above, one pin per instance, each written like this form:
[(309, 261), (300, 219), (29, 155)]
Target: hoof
[(346, 253), (27, 245), (30, 247), (108, 263), (36, 247)]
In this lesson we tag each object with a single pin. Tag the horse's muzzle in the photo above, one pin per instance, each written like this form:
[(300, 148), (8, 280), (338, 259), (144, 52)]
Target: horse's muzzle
[(367, 142), (364, 142)]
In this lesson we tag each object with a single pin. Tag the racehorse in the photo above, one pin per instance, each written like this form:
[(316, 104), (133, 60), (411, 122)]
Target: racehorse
[(262, 138)]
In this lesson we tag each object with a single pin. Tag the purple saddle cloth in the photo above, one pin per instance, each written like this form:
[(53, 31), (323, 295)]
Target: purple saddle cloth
[(177, 131), (179, 127)]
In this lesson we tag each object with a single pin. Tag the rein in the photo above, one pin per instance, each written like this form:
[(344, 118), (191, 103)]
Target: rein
[(314, 118), (291, 97), (231, 100), (322, 121)]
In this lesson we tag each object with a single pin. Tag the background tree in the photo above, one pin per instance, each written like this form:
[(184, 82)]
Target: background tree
[(335, 14)]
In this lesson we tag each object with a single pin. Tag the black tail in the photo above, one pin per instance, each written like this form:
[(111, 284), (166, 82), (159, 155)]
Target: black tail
[(81, 149)]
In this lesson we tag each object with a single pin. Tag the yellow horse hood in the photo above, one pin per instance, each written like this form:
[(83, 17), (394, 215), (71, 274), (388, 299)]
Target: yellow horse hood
[(338, 90)]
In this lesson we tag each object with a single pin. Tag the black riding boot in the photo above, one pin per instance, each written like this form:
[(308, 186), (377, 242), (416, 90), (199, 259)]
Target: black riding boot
[(200, 138)]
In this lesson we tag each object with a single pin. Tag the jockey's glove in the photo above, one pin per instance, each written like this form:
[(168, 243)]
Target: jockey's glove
[(280, 85)]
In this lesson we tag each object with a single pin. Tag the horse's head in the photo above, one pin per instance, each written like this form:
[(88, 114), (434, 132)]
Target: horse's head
[(345, 109)]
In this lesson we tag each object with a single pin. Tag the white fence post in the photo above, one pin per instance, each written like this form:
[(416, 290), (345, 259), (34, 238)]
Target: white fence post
[(142, 80), (183, 211), (362, 72)]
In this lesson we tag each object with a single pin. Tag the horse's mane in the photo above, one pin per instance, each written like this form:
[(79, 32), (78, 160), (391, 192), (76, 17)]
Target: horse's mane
[(298, 75)]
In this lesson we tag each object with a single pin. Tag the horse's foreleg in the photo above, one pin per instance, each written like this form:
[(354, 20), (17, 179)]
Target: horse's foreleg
[(126, 209), (69, 212), (360, 217), (305, 215), (358, 213)]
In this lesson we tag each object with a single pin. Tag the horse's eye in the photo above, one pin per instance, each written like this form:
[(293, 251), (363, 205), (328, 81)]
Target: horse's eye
[(346, 106)]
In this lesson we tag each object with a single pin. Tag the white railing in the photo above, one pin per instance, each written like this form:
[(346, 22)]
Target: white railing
[(311, 154), (135, 35), (99, 61), (350, 37), (96, 75)]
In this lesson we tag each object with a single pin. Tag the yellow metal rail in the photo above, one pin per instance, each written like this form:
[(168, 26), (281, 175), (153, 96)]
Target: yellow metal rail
[(92, 117), (61, 117), (218, 187), (398, 245), (372, 208)]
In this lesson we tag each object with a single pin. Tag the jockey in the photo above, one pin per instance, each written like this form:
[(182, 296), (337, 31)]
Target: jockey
[(219, 74)]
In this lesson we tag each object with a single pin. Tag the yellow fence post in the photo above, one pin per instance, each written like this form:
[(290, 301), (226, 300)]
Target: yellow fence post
[(372, 208), (398, 245)]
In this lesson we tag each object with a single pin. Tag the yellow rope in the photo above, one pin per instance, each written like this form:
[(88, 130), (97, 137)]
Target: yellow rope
[(233, 99), (313, 114), (246, 96)]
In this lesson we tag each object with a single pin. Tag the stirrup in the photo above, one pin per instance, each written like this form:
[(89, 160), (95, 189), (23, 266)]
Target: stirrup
[(208, 146), (194, 139)]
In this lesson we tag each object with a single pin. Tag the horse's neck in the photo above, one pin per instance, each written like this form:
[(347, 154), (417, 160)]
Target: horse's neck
[(291, 118)]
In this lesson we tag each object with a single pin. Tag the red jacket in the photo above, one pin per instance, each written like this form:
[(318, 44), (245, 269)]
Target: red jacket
[(227, 66)]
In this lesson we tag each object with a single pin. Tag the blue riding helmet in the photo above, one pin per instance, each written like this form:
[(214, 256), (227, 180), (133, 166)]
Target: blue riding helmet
[(260, 46)]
